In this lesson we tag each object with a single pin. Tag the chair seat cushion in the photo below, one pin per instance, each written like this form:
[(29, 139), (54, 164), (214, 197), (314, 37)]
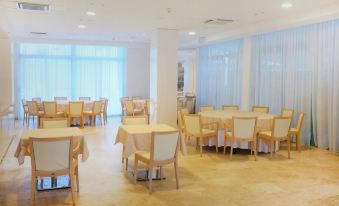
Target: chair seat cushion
[(144, 154), (228, 134), (208, 132), (265, 134)]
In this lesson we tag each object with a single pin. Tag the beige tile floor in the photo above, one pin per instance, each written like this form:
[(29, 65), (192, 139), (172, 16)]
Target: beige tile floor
[(309, 178)]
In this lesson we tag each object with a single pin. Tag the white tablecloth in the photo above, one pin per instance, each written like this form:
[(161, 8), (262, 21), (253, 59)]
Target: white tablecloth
[(138, 137), (223, 118), (23, 146)]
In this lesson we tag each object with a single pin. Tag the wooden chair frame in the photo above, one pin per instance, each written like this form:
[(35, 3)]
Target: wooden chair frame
[(261, 107), (54, 119), (233, 107), (287, 109), (272, 139), (296, 131), (252, 139), (71, 171), (92, 114), (212, 106), (71, 117), (199, 137), (37, 114), (154, 163)]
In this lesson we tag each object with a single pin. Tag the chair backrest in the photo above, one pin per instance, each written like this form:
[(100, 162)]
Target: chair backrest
[(51, 154), (192, 124), (76, 108), (164, 145), (134, 120), (60, 98), (24, 105), (281, 126), (32, 107), (129, 106), (97, 107), (84, 98), (54, 123), (207, 108), (230, 107), (300, 121), (50, 109), (123, 100), (37, 99), (136, 97), (244, 127), (104, 105), (260, 109), (287, 113)]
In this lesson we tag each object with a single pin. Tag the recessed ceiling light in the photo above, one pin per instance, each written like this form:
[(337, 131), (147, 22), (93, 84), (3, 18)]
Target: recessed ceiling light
[(192, 33), (91, 13), (81, 26), (286, 5)]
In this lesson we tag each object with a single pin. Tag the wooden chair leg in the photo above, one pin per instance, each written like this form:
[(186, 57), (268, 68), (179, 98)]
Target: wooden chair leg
[(200, 143), (82, 122), (225, 144), (289, 147), (231, 152), (126, 166), (92, 120), (176, 173), (255, 149), (33, 189), (150, 178), (122, 155), (135, 170), (71, 176), (271, 148), (77, 178), (297, 136), (216, 143)]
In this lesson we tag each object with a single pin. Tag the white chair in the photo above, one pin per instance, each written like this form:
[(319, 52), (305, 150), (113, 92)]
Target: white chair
[(130, 110), (33, 111), (25, 110), (123, 105), (132, 120), (260, 109), (37, 99), (84, 98), (60, 99), (53, 157), (296, 131), (54, 123), (280, 132), (104, 105), (207, 108), (136, 97), (230, 107), (76, 110), (194, 128), (164, 151), (287, 113), (96, 111), (50, 110), (243, 129)]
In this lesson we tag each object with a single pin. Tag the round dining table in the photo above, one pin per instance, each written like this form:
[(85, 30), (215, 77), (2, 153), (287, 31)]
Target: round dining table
[(224, 119)]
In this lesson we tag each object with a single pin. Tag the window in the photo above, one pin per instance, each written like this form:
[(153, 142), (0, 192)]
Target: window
[(48, 70)]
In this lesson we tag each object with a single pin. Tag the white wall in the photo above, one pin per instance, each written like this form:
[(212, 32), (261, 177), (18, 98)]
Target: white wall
[(5, 69), (138, 72)]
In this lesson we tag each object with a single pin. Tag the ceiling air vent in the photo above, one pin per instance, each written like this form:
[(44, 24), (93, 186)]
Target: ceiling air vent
[(33, 6), (37, 33), (218, 22)]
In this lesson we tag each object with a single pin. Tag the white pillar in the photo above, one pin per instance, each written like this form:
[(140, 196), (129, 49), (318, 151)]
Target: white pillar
[(245, 95), (6, 85), (164, 75), (190, 72)]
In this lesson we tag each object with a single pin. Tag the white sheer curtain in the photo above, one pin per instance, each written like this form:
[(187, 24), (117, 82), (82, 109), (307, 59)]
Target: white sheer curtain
[(298, 68), (219, 76), (48, 70)]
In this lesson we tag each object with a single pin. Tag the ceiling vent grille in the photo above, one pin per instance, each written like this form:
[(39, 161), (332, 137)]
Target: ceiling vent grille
[(37, 33), (33, 6), (218, 22)]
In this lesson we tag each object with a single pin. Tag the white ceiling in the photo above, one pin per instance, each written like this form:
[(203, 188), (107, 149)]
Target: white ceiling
[(135, 20)]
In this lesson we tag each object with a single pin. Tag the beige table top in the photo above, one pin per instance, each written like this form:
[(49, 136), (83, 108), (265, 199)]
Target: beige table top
[(225, 118), (138, 137), (23, 146)]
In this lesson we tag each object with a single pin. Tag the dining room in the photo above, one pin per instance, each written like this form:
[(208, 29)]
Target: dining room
[(169, 102)]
